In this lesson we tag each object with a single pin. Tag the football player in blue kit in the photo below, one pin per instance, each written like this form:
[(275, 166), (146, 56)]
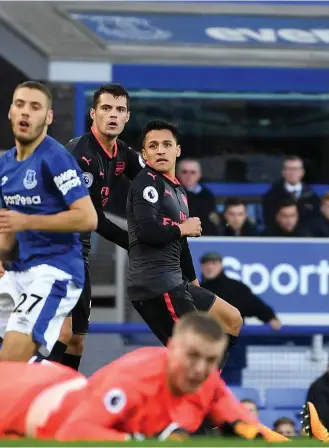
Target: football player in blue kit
[(45, 204)]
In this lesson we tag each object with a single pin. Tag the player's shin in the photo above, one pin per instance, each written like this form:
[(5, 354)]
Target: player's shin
[(230, 320)]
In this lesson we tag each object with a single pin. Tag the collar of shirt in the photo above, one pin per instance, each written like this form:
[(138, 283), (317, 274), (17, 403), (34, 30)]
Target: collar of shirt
[(294, 188), (196, 189)]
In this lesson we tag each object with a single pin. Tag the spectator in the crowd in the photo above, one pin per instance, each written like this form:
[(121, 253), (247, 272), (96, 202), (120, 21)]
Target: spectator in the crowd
[(201, 201), (286, 222), (235, 221), (319, 227), (291, 187), (239, 295), (318, 394), (234, 292), (251, 406), (285, 426)]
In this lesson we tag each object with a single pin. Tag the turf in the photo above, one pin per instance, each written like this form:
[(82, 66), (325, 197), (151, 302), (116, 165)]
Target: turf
[(195, 442)]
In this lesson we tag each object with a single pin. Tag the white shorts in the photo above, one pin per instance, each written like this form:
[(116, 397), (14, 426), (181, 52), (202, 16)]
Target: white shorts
[(36, 302), (8, 295)]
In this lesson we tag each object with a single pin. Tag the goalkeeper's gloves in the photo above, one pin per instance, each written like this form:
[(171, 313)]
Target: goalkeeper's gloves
[(251, 431)]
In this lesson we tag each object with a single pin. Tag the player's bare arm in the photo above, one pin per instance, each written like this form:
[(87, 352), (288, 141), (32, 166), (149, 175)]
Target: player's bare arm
[(7, 243), (228, 413), (81, 217)]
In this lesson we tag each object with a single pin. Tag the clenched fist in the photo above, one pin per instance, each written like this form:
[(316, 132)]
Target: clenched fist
[(191, 227)]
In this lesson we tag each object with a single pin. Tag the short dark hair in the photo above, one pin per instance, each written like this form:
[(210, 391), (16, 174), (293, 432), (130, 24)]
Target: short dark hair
[(36, 85), (289, 202), (283, 421), (116, 90), (325, 197), (159, 125), (232, 202), (248, 400), (292, 158), (201, 324)]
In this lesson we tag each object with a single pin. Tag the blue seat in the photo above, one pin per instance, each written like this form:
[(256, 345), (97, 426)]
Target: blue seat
[(285, 398), (247, 393), (269, 416)]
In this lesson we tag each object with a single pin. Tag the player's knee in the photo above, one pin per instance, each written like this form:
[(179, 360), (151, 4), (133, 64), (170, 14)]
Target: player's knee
[(76, 345), (235, 321), (228, 316)]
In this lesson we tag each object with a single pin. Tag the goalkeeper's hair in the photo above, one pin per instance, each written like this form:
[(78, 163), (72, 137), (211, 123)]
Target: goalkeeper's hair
[(201, 324)]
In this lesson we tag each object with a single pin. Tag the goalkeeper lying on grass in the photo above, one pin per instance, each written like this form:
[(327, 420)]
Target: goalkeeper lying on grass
[(151, 392)]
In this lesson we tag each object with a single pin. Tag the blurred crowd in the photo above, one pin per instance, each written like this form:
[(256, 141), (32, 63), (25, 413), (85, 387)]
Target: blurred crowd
[(290, 208)]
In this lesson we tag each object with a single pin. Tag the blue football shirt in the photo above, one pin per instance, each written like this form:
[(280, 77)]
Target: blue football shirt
[(45, 183)]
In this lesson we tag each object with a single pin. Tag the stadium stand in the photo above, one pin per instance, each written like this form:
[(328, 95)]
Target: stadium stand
[(247, 393), (285, 398)]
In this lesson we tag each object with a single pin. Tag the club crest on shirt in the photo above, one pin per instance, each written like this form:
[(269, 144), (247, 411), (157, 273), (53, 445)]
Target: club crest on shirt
[(4, 180), (119, 168), (30, 180), (150, 194), (88, 178)]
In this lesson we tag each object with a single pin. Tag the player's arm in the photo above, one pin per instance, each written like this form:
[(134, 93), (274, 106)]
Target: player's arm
[(105, 227), (64, 178), (98, 417), (146, 196), (233, 418), (7, 240), (134, 163), (186, 263)]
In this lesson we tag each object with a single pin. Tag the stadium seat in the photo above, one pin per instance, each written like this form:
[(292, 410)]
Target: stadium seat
[(285, 398), (269, 416), (247, 393)]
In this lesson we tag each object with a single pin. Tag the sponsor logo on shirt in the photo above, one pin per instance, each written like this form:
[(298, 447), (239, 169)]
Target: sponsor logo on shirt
[(17, 199), (67, 180), (4, 180), (150, 194), (115, 400), (141, 161)]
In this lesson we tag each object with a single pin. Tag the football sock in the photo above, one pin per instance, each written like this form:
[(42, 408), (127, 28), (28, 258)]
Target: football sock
[(57, 352), (231, 342), (72, 361)]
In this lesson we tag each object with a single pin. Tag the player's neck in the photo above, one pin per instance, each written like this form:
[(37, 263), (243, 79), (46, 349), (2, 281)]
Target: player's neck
[(170, 384), (25, 150), (106, 141), (170, 173), (173, 390)]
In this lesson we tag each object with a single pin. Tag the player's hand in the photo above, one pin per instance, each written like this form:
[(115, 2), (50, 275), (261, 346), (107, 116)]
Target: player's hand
[(191, 227), (11, 221), (275, 324)]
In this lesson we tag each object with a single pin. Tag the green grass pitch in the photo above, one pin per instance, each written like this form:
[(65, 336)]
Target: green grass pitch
[(195, 442)]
